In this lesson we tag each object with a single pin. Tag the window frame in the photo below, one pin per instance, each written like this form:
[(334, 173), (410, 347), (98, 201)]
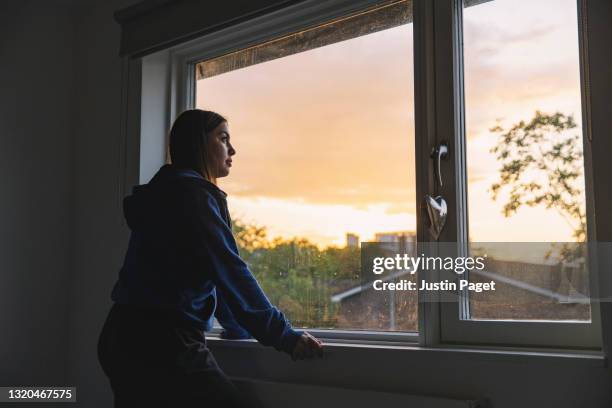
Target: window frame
[(454, 329), (438, 116)]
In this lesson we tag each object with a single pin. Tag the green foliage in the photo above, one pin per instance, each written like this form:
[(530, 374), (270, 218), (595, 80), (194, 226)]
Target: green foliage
[(296, 275), (249, 237), (542, 165)]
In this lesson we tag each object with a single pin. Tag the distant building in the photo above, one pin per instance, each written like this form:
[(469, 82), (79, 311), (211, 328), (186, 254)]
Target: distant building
[(400, 241), (352, 240), (398, 236)]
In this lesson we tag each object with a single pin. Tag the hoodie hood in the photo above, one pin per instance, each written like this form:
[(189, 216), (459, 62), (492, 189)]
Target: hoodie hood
[(144, 204), (136, 207)]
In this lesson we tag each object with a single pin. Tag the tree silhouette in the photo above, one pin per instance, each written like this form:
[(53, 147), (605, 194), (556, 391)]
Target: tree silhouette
[(542, 165)]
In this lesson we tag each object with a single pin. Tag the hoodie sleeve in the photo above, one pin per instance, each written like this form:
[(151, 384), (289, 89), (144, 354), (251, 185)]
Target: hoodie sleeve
[(231, 328), (216, 250)]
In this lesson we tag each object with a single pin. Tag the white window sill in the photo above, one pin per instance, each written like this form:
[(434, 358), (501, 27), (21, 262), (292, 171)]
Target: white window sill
[(333, 347)]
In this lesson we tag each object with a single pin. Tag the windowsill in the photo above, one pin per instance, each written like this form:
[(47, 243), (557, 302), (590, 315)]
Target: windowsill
[(583, 358)]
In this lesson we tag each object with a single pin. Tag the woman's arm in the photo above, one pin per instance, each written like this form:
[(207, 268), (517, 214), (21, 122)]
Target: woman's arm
[(223, 314), (217, 253)]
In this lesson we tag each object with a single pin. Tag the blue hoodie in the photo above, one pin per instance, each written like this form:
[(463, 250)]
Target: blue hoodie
[(182, 258)]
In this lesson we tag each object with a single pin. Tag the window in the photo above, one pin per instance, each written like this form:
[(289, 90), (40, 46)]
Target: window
[(323, 122), (524, 155), (334, 137), (525, 184)]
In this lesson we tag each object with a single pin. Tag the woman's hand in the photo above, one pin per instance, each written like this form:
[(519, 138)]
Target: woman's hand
[(307, 347)]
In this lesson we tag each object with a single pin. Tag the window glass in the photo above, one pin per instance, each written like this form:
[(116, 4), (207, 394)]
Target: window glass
[(323, 124), (524, 159)]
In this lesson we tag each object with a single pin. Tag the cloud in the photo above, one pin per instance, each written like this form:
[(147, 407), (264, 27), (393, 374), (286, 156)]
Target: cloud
[(489, 38), (331, 125)]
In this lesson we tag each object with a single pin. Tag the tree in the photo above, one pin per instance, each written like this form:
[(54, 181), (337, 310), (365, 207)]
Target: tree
[(249, 237), (542, 165), (295, 274)]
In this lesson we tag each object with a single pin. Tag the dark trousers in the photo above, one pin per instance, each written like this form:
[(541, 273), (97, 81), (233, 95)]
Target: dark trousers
[(153, 361)]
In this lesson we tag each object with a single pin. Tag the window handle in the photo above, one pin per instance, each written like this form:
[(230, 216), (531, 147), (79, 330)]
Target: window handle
[(439, 153), (437, 211)]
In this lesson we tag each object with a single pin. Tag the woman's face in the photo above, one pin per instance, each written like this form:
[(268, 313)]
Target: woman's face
[(220, 151)]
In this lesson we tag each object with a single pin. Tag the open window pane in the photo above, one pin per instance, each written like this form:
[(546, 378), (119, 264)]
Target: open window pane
[(524, 159), (323, 124)]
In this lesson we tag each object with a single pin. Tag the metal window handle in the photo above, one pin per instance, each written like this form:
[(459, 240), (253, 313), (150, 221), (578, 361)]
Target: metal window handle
[(438, 153), (437, 211)]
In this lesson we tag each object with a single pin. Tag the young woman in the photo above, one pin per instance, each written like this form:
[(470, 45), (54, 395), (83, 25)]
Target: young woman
[(181, 269)]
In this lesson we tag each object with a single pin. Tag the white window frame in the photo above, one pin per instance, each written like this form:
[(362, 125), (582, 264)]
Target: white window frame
[(168, 87), (550, 334)]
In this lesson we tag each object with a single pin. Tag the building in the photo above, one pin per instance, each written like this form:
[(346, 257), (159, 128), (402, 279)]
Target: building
[(352, 240)]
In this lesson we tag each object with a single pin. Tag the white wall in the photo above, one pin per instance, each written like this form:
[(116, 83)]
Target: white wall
[(62, 238), (505, 381), (61, 235), (36, 167), (100, 236)]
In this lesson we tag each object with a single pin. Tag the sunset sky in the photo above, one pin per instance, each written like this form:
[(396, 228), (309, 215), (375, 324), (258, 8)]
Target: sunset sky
[(325, 138)]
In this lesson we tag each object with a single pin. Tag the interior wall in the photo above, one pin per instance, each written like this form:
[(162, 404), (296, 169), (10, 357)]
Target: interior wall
[(36, 166), (100, 235), (504, 381)]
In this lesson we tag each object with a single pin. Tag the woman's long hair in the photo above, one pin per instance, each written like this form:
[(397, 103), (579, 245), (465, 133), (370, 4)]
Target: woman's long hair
[(189, 137)]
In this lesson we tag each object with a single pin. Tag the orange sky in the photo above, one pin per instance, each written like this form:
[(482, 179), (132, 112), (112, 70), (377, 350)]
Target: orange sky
[(325, 138), (519, 57)]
